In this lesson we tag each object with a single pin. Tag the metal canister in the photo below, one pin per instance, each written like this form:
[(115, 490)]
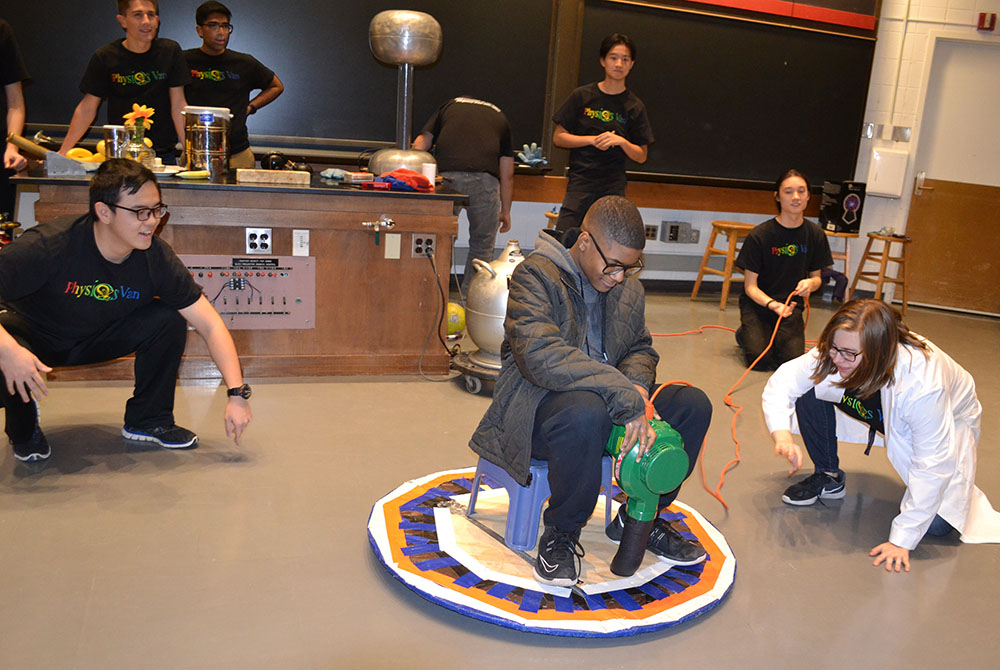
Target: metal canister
[(115, 139), (206, 139)]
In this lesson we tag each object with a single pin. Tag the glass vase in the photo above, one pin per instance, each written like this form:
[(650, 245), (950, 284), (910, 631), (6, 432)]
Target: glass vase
[(136, 148)]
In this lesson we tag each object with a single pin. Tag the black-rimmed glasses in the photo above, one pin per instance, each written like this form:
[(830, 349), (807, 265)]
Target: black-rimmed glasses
[(849, 356), (615, 268), (215, 25), (143, 213)]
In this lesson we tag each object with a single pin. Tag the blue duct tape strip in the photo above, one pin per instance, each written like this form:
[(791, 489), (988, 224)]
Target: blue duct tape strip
[(412, 540), (418, 549), (595, 602), (416, 525), (468, 580), (652, 591), (684, 577), (436, 563), (626, 601), (673, 516), (500, 591), (531, 601), (669, 585), (564, 604), (700, 568), (464, 482), (415, 504)]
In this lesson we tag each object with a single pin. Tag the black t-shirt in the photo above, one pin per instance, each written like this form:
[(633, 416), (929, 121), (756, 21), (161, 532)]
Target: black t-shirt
[(470, 135), (12, 68), (123, 77), (782, 257), (867, 410), (589, 111), (226, 80), (55, 277)]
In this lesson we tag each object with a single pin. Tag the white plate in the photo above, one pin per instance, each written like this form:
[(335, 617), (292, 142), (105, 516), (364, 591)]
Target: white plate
[(168, 169)]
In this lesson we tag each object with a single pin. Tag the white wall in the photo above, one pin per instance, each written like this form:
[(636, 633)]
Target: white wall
[(896, 94)]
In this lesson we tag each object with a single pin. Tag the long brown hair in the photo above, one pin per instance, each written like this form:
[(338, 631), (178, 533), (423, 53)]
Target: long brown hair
[(880, 329)]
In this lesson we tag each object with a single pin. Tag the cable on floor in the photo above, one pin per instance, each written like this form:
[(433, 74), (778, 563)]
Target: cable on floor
[(728, 399)]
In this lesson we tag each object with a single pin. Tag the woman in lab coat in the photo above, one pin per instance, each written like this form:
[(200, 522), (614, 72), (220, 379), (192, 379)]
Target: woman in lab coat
[(870, 377)]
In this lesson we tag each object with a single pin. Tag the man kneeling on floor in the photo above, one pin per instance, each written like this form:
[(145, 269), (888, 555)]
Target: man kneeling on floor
[(101, 287), (577, 358)]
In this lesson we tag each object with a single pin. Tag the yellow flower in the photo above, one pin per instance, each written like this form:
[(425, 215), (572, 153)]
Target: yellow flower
[(139, 112)]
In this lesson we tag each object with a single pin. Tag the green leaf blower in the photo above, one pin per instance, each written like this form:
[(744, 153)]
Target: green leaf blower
[(662, 469)]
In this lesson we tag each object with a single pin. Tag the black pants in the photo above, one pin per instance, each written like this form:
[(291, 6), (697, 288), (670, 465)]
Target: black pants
[(578, 200), (756, 326), (571, 430), (155, 333)]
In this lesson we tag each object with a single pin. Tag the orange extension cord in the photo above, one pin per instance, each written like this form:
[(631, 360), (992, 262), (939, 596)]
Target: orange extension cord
[(717, 493)]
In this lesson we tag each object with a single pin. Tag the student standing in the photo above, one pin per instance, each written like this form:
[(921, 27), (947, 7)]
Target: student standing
[(472, 144), (221, 77), (602, 124), (143, 69)]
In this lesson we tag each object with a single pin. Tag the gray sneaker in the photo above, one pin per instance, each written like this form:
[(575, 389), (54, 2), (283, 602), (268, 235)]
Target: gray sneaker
[(815, 486), (168, 437)]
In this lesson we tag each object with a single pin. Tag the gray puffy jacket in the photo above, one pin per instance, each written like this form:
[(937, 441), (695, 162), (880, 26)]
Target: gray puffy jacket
[(545, 332)]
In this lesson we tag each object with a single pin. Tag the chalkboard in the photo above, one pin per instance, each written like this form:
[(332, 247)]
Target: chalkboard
[(735, 99), (334, 87)]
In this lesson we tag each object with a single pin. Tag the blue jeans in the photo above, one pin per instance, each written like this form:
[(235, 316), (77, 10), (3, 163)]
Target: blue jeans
[(483, 211), (818, 425), (571, 430)]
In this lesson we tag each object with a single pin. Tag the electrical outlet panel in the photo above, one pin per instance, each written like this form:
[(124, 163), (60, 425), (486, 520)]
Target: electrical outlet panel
[(256, 293), (424, 244), (259, 241), (652, 231), (680, 232)]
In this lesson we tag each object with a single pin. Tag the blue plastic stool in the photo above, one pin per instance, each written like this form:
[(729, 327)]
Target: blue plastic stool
[(525, 508)]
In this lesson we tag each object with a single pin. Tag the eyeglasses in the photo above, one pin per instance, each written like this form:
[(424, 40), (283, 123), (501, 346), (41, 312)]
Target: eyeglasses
[(849, 356), (143, 213), (615, 268), (215, 25)]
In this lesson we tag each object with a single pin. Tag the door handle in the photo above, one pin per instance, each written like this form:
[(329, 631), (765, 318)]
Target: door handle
[(920, 188)]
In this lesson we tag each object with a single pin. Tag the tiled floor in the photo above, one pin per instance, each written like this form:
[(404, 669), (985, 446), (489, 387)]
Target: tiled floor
[(257, 556)]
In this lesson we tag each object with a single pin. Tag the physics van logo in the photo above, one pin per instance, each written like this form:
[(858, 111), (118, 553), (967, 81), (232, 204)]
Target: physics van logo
[(137, 78), (214, 75), (101, 291), (789, 250), (605, 115)]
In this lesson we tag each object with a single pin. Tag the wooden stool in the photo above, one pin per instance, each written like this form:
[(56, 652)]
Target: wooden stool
[(882, 257), (735, 231)]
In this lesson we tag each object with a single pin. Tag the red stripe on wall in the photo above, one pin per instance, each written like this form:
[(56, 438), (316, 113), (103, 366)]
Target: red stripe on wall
[(839, 17), (799, 11)]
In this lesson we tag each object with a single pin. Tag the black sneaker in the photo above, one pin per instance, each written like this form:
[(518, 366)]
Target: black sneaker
[(558, 561), (168, 437), (35, 449), (664, 541), (815, 486)]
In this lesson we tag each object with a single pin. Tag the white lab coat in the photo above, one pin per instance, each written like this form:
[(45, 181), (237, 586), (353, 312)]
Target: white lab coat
[(931, 417)]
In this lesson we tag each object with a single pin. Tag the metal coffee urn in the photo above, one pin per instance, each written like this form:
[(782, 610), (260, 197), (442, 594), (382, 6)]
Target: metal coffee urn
[(404, 38)]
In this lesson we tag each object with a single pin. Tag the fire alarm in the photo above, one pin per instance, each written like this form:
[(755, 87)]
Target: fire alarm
[(987, 22)]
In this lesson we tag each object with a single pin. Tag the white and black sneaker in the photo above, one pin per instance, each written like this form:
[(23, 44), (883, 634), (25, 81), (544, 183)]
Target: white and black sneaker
[(36, 448), (168, 437), (816, 486), (558, 561), (664, 541)]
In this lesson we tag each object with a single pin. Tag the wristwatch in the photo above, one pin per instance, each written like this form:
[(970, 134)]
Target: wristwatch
[(243, 391)]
